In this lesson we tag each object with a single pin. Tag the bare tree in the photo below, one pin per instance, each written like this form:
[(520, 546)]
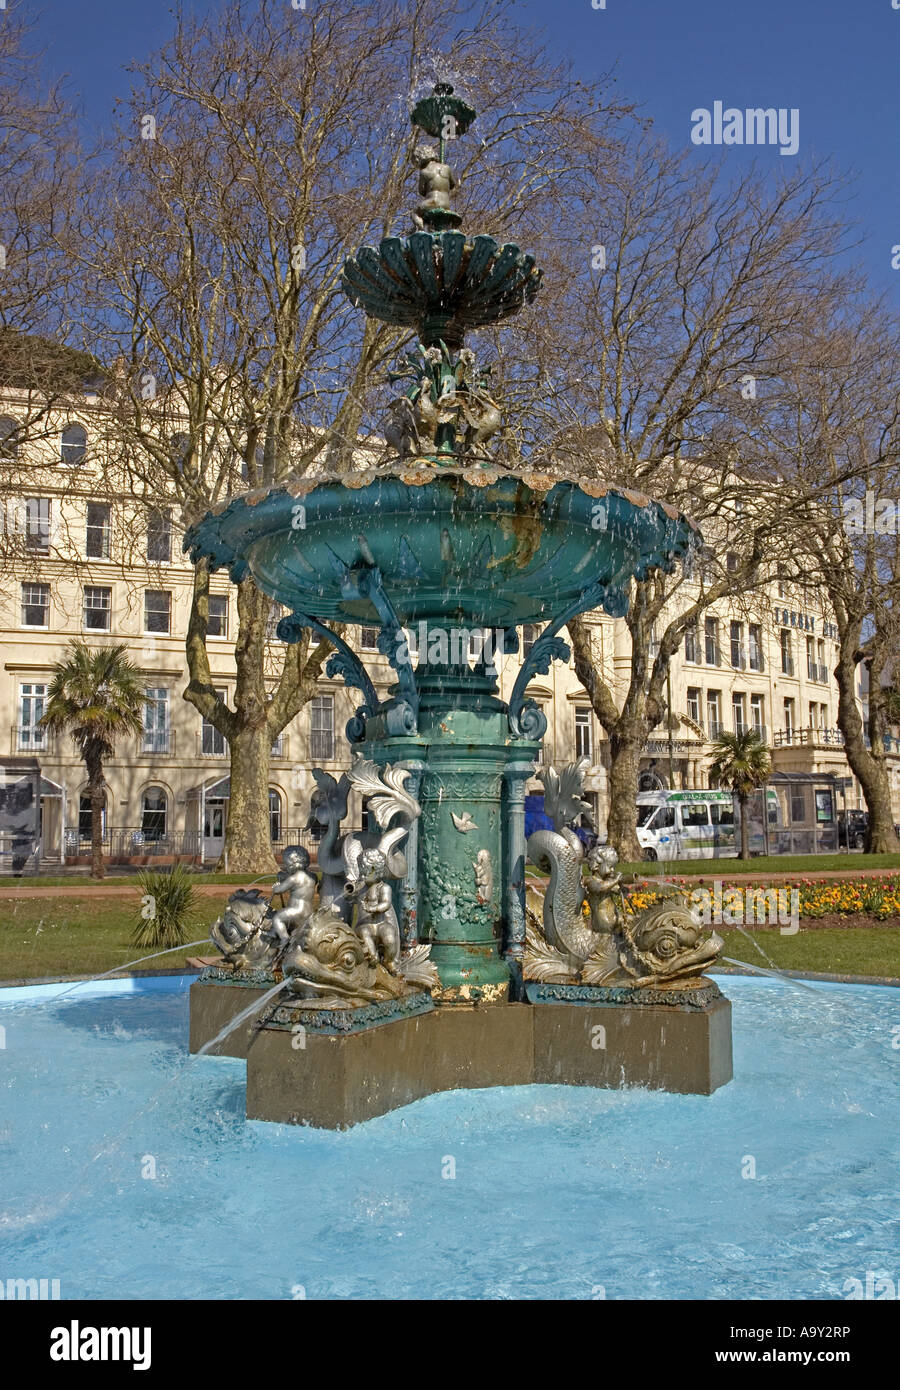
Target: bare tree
[(260, 148)]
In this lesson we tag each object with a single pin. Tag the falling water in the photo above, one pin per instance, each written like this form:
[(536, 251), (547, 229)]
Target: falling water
[(241, 1017)]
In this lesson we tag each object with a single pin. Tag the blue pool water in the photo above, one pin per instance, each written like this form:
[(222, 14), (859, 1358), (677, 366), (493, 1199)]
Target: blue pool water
[(558, 1193)]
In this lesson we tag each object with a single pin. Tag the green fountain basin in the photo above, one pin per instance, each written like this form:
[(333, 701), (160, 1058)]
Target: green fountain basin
[(489, 548)]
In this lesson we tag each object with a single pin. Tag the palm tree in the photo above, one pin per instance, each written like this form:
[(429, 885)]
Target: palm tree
[(741, 763), (96, 696)]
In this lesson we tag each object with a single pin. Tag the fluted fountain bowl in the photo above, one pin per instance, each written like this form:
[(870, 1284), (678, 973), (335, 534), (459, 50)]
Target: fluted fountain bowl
[(488, 547)]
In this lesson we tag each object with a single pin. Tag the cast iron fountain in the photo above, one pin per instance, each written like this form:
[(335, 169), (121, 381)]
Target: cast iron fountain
[(410, 971)]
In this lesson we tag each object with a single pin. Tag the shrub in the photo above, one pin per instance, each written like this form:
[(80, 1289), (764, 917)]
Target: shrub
[(167, 901)]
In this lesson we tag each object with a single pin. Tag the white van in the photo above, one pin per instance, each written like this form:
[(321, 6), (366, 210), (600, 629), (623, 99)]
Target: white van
[(693, 825)]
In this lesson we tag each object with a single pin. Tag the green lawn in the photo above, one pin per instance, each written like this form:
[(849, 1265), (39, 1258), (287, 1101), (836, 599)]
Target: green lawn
[(834, 950), (77, 936), (86, 883)]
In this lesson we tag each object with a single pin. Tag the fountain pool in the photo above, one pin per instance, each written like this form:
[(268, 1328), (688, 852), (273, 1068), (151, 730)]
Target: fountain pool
[(558, 1192)]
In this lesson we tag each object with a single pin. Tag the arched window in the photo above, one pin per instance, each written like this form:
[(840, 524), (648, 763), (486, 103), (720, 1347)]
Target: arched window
[(74, 445), (274, 815), (9, 448), (154, 814), (85, 817)]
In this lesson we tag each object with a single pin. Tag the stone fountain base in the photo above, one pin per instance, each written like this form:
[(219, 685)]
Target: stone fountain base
[(332, 1080)]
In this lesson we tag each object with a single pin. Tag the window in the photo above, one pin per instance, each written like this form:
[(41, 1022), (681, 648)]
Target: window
[(758, 715), (97, 607), (86, 819), (156, 719), (782, 582), (96, 544), (738, 656), (159, 537), (529, 637), (813, 714), (35, 605), (217, 626), (732, 562), (274, 815), (787, 658), (73, 445), (811, 664), (693, 704), (157, 610), (721, 814), (711, 630), (714, 713), (823, 673), (9, 448), (664, 818), (583, 740), (153, 814), (691, 642), (212, 740), (739, 711), (32, 700), (788, 718), (694, 813), (321, 728), (37, 523), (368, 639), (756, 659)]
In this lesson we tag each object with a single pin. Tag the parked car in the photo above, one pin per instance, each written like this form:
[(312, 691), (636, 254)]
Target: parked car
[(853, 828)]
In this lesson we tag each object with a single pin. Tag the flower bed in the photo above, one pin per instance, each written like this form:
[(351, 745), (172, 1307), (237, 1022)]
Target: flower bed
[(875, 899)]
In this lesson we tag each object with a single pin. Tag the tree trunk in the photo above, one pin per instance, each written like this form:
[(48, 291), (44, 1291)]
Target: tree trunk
[(869, 768), (621, 827), (95, 791), (743, 802), (248, 840)]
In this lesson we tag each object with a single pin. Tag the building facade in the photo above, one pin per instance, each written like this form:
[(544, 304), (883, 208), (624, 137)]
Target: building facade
[(85, 561)]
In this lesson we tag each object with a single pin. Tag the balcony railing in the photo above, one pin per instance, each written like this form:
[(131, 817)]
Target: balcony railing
[(808, 738), (211, 743), (28, 739), (761, 732), (160, 742), (715, 728)]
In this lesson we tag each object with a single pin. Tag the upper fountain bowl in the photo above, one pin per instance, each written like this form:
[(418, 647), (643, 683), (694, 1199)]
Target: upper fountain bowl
[(488, 547), (442, 283)]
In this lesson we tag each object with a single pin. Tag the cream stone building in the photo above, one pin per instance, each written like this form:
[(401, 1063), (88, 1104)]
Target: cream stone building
[(81, 561)]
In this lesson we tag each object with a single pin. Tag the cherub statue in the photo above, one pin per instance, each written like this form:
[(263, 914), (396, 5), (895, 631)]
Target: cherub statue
[(603, 887), (436, 183), (300, 886), (376, 921)]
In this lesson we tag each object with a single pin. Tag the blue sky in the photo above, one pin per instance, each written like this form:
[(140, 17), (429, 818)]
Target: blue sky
[(835, 61)]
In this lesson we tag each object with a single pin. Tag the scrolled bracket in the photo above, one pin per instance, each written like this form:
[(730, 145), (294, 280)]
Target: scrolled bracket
[(364, 581), (525, 717), (343, 662)]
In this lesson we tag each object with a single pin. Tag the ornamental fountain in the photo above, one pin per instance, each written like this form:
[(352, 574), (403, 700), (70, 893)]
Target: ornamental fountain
[(411, 958)]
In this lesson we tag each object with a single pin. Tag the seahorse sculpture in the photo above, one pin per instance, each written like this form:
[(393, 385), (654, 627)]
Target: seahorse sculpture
[(662, 945), (560, 853), (338, 855)]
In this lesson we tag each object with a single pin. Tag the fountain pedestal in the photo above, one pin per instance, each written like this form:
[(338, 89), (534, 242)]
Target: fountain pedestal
[(465, 760)]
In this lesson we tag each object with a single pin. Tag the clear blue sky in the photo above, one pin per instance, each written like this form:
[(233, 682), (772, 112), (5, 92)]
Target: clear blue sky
[(836, 61)]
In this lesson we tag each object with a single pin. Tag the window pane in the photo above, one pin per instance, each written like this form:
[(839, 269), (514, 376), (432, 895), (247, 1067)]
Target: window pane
[(97, 607), (153, 815), (35, 605), (157, 610), (321, 725), (73, 446), (97, 537), (159, 537), (218, 616), (37, 523)]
